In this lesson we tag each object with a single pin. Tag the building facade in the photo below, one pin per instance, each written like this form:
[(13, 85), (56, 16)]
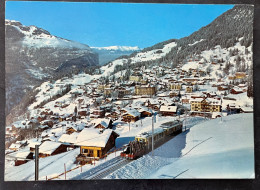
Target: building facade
[(145, 90), (205, 105), (175, 86)]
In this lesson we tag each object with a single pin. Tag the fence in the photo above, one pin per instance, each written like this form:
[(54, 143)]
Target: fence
[(102, 157)]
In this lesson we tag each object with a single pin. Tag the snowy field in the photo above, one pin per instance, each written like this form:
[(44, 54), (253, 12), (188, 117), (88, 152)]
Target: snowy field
[(212, 149)]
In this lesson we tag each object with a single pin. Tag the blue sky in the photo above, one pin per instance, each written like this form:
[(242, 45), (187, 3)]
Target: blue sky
[(106, 24)]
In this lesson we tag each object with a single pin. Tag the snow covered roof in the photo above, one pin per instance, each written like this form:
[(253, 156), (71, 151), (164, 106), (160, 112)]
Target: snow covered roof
[(21, 154), (163, 94), (132, 112), (93, 137), (66, 138), (145, 109), (213, 101), (15, 145), (196, 99), (18, 124), (237, 89), (48, 147), (32, 144), (168, 108), (103, 122), (247, 109)]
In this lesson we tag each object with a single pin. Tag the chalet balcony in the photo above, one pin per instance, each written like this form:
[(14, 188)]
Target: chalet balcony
[(86, 159)]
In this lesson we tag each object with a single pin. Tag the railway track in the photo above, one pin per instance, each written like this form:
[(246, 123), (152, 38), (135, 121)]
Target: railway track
[(111, 169), (103, 170)]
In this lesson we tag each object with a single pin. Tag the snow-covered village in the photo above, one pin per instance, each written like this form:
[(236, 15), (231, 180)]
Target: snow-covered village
[(145, 115)]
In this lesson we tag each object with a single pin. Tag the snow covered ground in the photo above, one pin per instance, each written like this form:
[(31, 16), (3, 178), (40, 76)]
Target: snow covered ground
[(209, 149), (54, 165), (212, 149)]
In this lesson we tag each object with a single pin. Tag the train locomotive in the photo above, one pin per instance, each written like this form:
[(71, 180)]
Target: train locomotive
[(143, 142)]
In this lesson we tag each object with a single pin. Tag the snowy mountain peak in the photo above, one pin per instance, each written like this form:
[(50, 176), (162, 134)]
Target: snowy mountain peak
[(118, 48), (12, 22), (33, 36)]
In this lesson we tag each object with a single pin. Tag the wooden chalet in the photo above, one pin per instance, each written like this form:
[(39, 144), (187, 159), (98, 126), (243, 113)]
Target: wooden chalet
[(236, 90), (168, 110), (222, 88), (46, 112), (98, 113), (114, 115), (47, 122), (174, 94), (71, 128), (102, 123), (188, 89), (82, 112), (32, 145), (145, 112), (131, 116), (50, 148), (190, 80), (185, 100), (153, 105), (17, 145), (21, 157), (240, 75), (94, 144)]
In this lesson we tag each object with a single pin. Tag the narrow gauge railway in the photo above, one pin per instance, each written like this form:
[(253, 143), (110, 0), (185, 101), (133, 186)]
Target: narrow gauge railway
[(135, 149), (111, 169), (143, 142), (103, 169)]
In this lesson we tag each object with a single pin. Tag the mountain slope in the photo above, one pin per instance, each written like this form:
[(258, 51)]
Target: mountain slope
[(233, 26), (201, 50), (225, 31), (33, 55), (107, 54)]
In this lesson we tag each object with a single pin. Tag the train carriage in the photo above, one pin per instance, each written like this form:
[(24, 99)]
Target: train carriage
[(172, 127), (143, 142)]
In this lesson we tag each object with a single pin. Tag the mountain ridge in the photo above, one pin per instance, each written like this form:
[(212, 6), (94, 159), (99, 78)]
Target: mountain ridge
[(33, 55)]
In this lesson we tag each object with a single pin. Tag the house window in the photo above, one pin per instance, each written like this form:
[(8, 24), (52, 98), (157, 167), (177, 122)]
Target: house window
[(84, 151)]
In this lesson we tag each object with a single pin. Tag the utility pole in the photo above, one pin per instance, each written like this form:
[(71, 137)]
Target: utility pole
[(65, 171), (36, 162), (185, 118), (152, 133), (221, 107)]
